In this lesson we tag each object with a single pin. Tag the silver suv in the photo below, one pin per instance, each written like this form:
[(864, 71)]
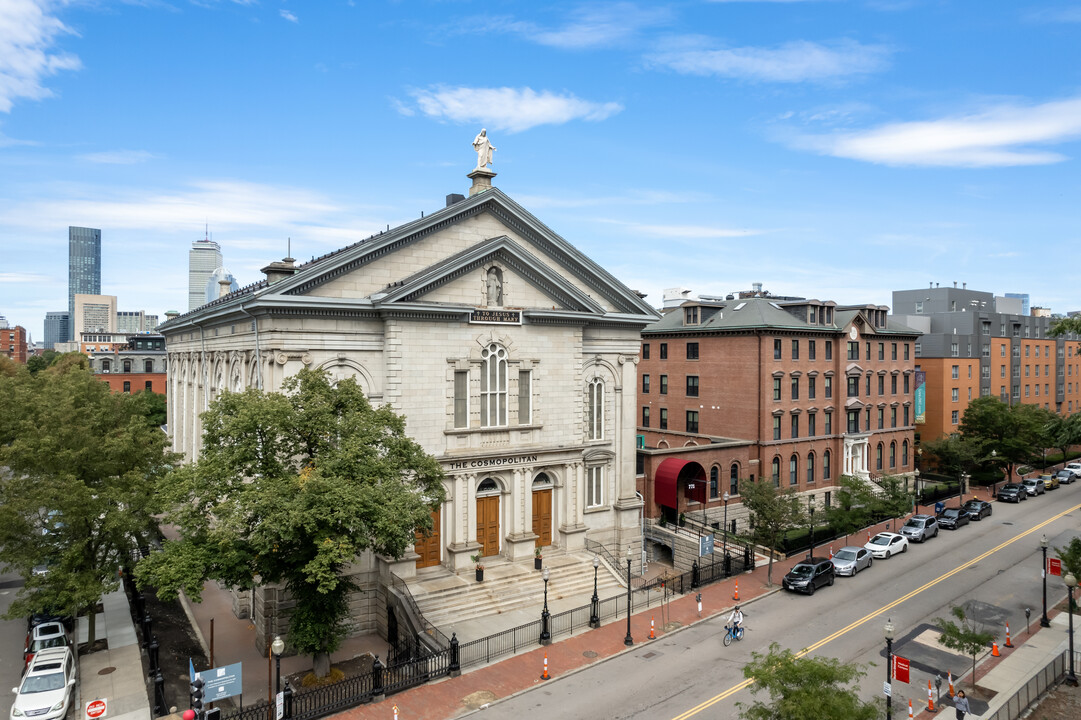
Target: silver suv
[(920, 527)]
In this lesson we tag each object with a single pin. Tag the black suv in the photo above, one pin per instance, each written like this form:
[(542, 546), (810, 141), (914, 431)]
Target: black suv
[(809, 575), (1012, 492)]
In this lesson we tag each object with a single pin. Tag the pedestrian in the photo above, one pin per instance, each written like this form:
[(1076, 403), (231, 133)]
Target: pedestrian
[(960, 704)]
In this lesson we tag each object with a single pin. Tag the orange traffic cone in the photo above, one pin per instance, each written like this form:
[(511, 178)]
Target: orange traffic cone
[(545, 675), (910, 715), (735, 596), (949, 676), (652, 636), (831, 552), (930, 698), (994, 649), (1008, 643)]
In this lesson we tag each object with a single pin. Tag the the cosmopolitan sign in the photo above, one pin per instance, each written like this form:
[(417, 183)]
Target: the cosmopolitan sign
[(493, 462)]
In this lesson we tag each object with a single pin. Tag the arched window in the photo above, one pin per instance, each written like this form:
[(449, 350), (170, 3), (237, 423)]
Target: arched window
[(733, 479), (714, 477), (488, 486), (904, 453), (810, 467), (493, 386), (893, 455), (878, 456), (793, 470), (776, 471), (826, 464), (596, 409)]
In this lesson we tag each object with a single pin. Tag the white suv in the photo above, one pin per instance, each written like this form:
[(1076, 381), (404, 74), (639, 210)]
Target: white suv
[(48, 687), (1074, 468)]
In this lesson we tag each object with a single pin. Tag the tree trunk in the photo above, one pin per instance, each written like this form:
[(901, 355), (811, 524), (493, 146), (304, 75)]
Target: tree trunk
[(91, 626), (973, 673), (321, 664)]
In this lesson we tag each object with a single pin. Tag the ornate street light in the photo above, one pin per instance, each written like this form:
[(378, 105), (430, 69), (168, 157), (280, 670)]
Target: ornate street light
[(1044, 622), (546, 635), (1071, 583), (725, 497), (994, 483), (628, 641), (811, 509), (278, 647), (888, 630), (594, 614)]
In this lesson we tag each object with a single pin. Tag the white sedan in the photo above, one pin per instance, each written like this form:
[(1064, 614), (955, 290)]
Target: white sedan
[(886, 544)]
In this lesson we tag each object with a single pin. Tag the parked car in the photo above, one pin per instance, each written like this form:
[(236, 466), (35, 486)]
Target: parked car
[(48, 686), (850, 560), (1012, 492), (1033, 486), (1065, 477), (809, 575), (952, 518), (919, 528), (45, 635), (1074, 468), (887, 544), (1050, 482), (977, 509)]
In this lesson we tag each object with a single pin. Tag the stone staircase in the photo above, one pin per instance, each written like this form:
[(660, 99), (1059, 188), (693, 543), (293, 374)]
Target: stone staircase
[(447, 599)]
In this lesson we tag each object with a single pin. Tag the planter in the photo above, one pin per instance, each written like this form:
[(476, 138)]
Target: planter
[(537, 563), (480, 574)]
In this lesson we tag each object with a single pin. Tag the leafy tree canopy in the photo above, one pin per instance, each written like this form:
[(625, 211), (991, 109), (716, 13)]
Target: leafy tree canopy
[(852, 505), (1061, 326), (78, 492), (1071, 557), (964, 636), (773, 511), (1013, 432), (290, 488), (804, 688)]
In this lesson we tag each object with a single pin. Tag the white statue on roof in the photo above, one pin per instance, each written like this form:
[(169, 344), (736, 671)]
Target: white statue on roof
[(484, 149)]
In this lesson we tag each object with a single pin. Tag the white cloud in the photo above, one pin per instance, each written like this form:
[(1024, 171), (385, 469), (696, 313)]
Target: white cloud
[(28, 31), (1056, 15), (511, 109), (588, 26), (288, 16), (118, 157), (996, 137), (15, 277), (792, 62)]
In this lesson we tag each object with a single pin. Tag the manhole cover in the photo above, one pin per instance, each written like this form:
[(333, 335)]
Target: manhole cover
[(589, 654), (649, 656), (106, 671)]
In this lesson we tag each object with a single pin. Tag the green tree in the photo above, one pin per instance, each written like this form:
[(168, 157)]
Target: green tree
[(1071, 557), (964, 636), (153, 406), (289, 489), (1063, 432), (804, 688), (894, 501), (1062, 326), (852, 505), (1013, 432), (78, 494), (773, 511), (951, 454)]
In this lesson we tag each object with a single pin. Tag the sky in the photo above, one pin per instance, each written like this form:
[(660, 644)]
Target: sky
[(831, 149)]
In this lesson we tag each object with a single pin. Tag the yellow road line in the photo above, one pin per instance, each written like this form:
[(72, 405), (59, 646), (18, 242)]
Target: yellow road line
[(872, 615)]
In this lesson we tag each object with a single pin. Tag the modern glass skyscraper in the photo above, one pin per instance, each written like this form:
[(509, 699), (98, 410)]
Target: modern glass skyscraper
[(84, 266), (203, 259), (57, 328)]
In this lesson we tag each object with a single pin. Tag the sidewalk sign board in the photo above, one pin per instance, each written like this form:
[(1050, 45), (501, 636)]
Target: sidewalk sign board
[(279, 701), (705, 545), (887, 689), (1054, 566), (96, 709), (220, 682), (901, 667)]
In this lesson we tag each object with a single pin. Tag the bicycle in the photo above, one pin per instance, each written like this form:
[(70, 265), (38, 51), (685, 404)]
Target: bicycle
[(731, 635)]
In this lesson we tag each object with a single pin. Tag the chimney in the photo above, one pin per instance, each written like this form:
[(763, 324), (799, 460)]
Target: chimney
[(171, 315), (964, 286), (223, 287), (955, 284), (454, 198), (281, 270)]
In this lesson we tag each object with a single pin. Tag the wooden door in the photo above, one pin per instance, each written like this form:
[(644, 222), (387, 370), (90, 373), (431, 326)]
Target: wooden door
[(542, 516), (427, 546), (488, 525)]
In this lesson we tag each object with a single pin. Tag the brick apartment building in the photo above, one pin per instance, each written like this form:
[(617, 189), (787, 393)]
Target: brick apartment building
[(139, 364), (13, 340), (978, 345), (799, 391)]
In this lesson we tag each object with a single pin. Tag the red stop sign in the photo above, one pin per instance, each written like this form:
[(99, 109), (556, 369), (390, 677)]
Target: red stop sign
[(95, 709)]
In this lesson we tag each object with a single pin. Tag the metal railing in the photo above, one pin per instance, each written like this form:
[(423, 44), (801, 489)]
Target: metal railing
[(1032, 691), (400, 586)]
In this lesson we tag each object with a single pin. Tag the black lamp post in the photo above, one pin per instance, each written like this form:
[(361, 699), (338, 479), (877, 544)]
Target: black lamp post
[(1071, 583), (594, 615), (811, 510), (546, 635), (628, 641), (725, 497), (1044, 622), (919, 495), (961, 490), (994, 483), (889, 668), (277, 647)]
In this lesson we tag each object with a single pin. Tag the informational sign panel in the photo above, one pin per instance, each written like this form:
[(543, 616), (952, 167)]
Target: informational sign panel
[(886, 689), (496, 317), (921, 397), (901, 668), (220, 682), (279, 701), (705, 545)]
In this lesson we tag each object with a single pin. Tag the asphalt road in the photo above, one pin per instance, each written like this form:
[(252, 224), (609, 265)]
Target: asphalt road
[(992, 567), (12, 637)]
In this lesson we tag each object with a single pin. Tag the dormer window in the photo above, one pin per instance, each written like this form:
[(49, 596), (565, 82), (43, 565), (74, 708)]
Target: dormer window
[(812, 315), (690, 315)]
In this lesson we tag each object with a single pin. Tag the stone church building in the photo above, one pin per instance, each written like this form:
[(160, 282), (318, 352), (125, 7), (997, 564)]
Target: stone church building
[(510, 353)]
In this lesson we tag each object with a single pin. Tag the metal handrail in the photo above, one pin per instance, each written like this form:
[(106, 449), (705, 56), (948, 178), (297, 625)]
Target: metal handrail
[(428, 629)]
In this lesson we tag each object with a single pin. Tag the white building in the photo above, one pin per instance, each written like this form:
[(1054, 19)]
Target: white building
[(512, 356), (203, 259)]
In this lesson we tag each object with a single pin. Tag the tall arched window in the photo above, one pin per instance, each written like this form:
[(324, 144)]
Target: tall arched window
[(596, 409), (904, 453), (733, 479), (714, 477), (878, 456), (893, 454), (793, 470), (826, 464), (493, 386), (776, 472), (810, 467)]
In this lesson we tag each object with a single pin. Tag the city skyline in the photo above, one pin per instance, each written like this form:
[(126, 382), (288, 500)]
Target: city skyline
[(839, 150)]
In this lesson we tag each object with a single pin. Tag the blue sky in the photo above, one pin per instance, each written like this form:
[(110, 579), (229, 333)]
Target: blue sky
[(837, 149)]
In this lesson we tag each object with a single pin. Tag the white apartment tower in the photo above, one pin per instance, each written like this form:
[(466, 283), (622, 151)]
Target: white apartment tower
[(203, 259)]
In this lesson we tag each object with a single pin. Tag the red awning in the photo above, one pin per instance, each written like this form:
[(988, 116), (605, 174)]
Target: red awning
[(666, 481)]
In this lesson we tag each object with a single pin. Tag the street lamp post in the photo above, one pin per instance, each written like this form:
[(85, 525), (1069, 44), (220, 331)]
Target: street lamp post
[(546, 635), (961, 490), (994, 483), (919, 495), (889, 667), (594, 615), (1071, 583), (725, 497), (278, 647), (811, 510), (1044, 622), (628, 641)]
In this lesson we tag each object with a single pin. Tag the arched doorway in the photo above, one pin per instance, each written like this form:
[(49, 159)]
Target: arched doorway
[(488, 517), (542, 510), (670, 476), (427, 545)]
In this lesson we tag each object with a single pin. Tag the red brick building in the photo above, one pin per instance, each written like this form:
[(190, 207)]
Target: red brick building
[(799, 391), (14, 343), (139, 364)]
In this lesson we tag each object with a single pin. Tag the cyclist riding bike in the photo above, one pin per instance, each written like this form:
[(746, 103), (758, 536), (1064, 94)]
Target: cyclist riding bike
[(735, 622)]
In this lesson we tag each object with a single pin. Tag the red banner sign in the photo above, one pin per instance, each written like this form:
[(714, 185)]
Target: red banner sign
[(900, 668), (1054, 566)]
